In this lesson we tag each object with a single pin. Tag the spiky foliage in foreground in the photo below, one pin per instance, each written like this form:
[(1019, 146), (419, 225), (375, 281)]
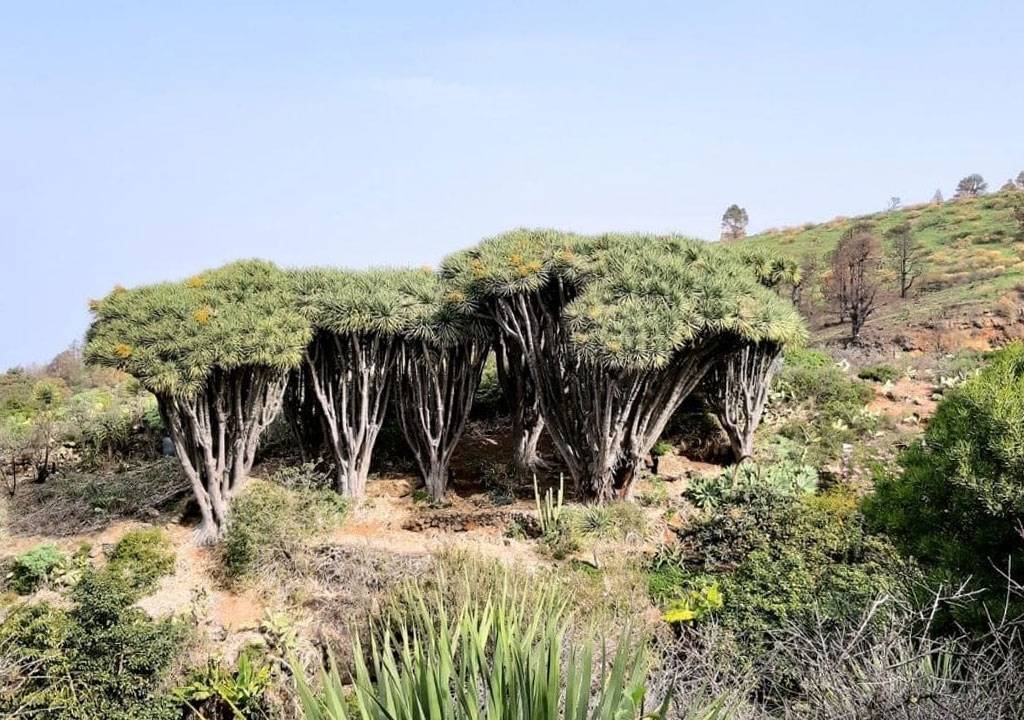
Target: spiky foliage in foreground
[(216, 351), (498, 659), (616, 331), (736, 390), (440, 361)]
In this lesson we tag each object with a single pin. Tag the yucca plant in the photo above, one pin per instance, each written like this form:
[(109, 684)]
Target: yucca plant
[(495, 659), (549, 507)]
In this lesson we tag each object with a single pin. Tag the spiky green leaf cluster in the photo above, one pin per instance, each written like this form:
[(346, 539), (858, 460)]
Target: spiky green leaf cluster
[(172, 335), (634, 300), (404, 303)]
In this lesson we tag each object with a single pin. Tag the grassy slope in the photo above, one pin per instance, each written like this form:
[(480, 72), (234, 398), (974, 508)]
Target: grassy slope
[(972, 258)]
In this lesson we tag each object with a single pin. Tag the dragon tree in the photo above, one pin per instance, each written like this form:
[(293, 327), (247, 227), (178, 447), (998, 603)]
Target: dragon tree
[(347, 368), (616, 331), (440, 361), (736, 391), (216, 351)]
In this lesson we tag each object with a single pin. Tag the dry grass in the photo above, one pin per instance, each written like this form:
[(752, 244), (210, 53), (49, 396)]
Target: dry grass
[(76, 503)]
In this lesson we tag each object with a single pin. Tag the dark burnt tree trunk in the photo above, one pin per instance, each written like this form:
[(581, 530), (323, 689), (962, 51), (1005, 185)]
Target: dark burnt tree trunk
[(603, 421), (521, 395), (736, 390), (216, 434), (302, 412), (350, 376), (434, 390)]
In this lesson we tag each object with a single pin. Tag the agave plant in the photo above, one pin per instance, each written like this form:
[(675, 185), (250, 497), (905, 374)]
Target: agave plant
[(499, 658)]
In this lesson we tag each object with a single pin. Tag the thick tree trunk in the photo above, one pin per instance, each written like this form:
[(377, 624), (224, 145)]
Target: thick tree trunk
[(603, 421), (434, 390), (521, 394), (736, 390), (350, 376), (216, 434)]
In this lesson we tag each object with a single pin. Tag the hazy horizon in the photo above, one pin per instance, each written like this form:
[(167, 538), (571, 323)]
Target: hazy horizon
[(142, 143)]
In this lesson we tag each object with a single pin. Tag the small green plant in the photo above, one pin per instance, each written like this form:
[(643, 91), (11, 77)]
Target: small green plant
[(143, 556), (694, 605), (595, 521), (880, 373), (101, 659), (38, 567), (786, 478), (214, 692), (515, 530), (549, 510), (500, 480), (661, 448), (558, 536)]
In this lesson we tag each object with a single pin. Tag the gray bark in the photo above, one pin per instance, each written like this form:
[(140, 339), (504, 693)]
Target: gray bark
[(736, 390), (521, 394), (216, 434), (434, 390), (603, 421), (350, 378)]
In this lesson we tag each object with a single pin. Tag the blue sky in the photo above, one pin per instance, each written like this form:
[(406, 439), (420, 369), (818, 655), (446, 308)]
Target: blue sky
[(142, 141)]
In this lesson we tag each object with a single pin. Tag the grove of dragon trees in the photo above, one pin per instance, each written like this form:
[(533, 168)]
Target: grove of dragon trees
[(596, 340)]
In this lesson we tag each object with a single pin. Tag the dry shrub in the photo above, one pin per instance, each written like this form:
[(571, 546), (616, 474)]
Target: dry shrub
[(888, 663)]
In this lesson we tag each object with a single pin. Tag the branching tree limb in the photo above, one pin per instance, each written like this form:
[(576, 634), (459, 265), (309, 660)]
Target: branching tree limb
[(736, 390), (434, 390), (349, 375), (216, 433), (521, 394)]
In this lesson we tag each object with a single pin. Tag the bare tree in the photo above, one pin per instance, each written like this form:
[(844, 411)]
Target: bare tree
[(905, 254), (971, 186), (894, 204), (736, 390), (1017, 211), (937, 198), (810, 267), (734, 223), (1008, 186), (853, 279)]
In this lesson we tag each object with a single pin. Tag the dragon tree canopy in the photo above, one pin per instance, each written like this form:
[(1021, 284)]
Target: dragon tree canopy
[(171, 336), (632, 301)]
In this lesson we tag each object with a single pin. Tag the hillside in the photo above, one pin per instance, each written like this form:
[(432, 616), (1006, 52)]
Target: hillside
[(968, 295)]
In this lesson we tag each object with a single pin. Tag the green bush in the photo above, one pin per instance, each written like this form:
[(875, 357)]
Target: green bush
[(811, 376), (269, 521), (779, 556), (958, 503), (831, 405), (881, 373), (143, 557), (35, 568), (102, 659)]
